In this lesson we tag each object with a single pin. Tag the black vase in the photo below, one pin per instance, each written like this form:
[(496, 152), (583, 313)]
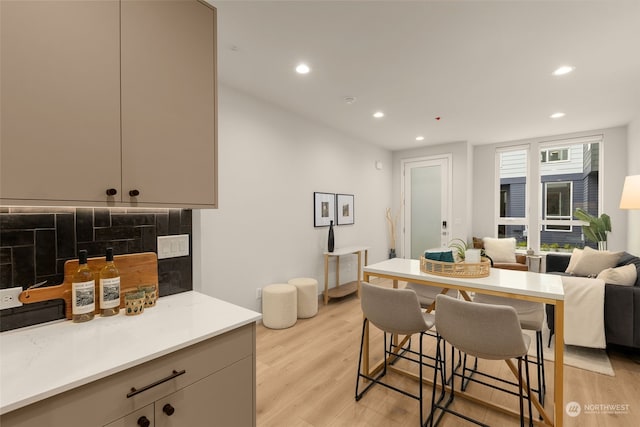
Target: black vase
[(331, 242)]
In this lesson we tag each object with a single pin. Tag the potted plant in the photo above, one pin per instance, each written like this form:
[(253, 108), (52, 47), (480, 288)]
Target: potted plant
[(597, 229), (460, 246), (554, 247)]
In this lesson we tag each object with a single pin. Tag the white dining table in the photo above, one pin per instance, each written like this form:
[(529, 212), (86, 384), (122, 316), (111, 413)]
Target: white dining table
[(523, 285)]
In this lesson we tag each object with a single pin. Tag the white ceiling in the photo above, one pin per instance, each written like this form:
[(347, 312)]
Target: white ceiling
[(483, 67)]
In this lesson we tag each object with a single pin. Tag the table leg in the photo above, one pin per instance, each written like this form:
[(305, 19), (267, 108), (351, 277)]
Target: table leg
[(559, 364), (326, 279), (359, 270), (338, 271), (365, 349)]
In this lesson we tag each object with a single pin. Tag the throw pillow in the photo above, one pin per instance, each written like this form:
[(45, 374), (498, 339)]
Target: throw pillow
[(500, 250), (626, 259), (625, 275), (575, 257), (446, 256), (593, 262), (478, 243)]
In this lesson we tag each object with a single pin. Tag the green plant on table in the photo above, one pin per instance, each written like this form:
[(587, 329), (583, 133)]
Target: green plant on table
[(460, 246), (554, 246)]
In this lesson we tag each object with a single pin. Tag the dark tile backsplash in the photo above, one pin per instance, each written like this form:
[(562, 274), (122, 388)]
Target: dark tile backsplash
[(36, 242)]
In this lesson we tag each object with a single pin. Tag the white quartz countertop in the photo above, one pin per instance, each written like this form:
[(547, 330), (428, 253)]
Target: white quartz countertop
[(509, 281), (42, 361)]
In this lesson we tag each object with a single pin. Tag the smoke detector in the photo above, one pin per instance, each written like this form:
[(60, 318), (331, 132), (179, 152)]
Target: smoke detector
[(349, 99)]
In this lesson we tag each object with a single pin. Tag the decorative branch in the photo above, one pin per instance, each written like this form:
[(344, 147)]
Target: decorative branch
[(392, 228)]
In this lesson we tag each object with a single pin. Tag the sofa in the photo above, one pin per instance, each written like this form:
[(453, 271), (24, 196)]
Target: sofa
[(621, 302)]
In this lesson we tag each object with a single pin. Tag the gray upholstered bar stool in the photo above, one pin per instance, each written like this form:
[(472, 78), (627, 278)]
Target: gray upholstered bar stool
[(427, 297), (531, 316), (427, 294), (393, 311), (485, 331)]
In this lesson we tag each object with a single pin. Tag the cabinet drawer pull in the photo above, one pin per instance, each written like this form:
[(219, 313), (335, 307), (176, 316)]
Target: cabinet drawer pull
[(112, 192), (134, 193), (144, 422), (168, 409), (135, 391)]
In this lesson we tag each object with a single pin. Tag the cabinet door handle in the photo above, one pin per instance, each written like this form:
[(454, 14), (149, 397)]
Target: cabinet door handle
[(173, 375), (144, 421), (168, 409), (112, 192), (134, 193)]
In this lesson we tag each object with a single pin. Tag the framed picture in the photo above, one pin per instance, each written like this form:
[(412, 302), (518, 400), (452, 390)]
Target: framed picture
[(344, 207), (324, 209)]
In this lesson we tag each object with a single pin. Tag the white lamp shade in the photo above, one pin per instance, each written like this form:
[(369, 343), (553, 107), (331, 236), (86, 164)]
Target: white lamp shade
[(631, 193)]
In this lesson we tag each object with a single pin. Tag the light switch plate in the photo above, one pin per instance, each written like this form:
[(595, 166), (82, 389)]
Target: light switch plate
[(9, 297), (173, 246)]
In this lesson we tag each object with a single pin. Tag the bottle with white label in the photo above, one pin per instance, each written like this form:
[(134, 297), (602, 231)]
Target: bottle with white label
[(109, 287), (83, 291)]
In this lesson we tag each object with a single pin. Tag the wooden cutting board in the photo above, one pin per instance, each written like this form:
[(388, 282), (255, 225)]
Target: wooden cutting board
[(135, 270)]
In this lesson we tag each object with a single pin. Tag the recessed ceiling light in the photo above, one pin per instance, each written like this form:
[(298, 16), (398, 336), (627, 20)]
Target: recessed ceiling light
[(302, 69), (420, 138), (557, 115), (565, 69), (378, 114)]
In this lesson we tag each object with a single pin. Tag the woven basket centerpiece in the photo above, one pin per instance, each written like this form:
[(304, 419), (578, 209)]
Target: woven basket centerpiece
[(456, 269)]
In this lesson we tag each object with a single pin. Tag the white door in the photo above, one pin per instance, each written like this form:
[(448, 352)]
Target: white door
[(426, 184)]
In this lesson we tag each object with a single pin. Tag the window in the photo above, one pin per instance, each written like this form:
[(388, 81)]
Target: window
[(569, 179), (558, 204), (538, 210), (554, 155), (512, 205)]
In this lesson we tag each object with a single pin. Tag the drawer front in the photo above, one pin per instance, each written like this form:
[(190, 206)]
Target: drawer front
[(135, 419), (224, 399), (105, 400)]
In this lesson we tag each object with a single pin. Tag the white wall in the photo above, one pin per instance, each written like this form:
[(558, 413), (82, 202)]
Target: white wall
[(614, 170), (461, 189), (633, 168), (271, 162)]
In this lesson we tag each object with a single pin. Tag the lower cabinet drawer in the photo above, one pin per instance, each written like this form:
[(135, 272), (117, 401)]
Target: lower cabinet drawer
[(140, 418), (109, 399), (223, 399)]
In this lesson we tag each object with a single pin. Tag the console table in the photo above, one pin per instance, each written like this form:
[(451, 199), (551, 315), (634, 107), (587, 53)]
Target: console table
[(341, 290)]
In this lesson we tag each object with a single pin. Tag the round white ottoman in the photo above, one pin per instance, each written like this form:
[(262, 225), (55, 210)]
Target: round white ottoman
[(307, 296), (279, 306)]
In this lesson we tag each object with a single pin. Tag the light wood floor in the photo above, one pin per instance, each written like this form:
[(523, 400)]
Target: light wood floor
[(306, 378)]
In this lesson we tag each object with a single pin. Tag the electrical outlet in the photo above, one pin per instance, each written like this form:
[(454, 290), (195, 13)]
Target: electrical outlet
[(258, 293), (9, 298), (173, 246)]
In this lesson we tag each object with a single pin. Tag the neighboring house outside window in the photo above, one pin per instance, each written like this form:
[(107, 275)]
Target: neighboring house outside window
[(569, 177)]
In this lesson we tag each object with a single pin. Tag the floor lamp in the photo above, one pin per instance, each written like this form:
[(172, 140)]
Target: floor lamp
[(631, 193)]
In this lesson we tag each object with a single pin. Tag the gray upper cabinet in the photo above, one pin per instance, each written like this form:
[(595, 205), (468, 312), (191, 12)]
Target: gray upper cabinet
[(60, 91), (109, 95)]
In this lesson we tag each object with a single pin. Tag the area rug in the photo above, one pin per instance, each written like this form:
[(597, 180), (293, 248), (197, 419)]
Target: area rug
[(590, 359)]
